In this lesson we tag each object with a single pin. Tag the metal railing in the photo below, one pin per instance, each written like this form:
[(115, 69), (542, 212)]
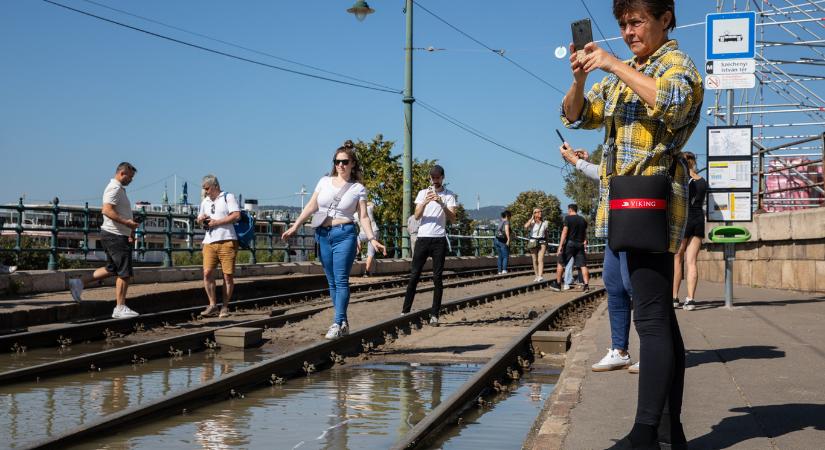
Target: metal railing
[(797, 182), (72, 233)]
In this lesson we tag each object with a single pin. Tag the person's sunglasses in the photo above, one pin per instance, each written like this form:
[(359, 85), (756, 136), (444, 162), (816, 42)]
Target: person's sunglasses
[(344, 162)]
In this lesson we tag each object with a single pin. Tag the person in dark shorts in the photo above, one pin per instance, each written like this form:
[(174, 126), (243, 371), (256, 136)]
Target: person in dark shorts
[(694, 232), (117, 234), (571, 246)]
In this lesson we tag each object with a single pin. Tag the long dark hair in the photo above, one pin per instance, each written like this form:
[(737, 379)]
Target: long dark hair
[(349, 149), (653, 7)]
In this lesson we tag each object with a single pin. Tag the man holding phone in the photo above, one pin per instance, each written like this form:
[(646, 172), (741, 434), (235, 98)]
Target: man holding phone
[(434, 207)]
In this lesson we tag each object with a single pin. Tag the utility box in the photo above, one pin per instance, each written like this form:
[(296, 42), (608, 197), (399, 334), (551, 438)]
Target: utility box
[(551, 341), (242, 337)]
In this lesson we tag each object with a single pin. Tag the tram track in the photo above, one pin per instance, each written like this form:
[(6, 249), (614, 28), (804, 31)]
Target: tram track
[(284, 366)]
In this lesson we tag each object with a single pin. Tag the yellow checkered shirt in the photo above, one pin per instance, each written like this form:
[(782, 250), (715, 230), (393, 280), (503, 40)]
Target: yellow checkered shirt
[(647, 136)]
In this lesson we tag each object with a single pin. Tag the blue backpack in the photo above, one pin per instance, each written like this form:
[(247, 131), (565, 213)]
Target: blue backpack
[(244, 228)]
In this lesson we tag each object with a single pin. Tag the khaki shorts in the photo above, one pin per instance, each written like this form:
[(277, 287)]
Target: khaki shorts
[(223, 252)]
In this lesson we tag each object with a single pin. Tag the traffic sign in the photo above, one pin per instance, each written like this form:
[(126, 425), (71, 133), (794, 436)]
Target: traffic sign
[(730, 66), (730, 81), (730, 35)]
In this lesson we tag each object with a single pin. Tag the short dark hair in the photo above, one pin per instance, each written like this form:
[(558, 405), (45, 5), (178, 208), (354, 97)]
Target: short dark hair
[(505, 214), (574, 207), (125, 166), (653, 7), (437, 170)]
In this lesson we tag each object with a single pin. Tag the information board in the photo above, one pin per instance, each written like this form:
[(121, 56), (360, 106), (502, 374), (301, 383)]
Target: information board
[(730, 141), (730, 174), (730, 206)]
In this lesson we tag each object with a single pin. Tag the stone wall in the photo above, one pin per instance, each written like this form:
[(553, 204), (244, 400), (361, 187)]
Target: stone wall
[(786, 251)]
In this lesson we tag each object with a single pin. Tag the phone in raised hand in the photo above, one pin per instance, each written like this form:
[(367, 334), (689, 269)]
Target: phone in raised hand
[(582, 35)]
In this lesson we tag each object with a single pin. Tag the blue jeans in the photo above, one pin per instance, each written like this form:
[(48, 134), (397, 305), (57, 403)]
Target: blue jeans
[(337, 252), (617, 283), (503, 254)]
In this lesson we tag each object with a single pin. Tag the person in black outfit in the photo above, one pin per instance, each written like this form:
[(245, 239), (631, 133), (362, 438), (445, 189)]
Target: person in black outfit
[(694, 232), (571, 246)]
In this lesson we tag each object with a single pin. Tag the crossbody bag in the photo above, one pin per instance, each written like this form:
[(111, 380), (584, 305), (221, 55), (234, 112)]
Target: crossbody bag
[(318, 217)]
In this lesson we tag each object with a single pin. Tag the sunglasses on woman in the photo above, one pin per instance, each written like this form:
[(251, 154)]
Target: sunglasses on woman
[(344, 162)]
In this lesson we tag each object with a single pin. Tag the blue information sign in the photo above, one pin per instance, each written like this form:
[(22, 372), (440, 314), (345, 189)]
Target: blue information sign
[(730, 35)]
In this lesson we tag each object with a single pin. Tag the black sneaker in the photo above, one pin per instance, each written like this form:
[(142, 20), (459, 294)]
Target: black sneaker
[(554, 285), (586, 288), (676, 303)]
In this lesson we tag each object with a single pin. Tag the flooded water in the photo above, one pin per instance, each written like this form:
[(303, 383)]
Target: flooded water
[(37, 356), (54, 405), (347, 408)]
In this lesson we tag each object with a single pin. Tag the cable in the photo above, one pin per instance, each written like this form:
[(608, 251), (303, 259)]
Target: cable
[(479, 134), (597, 26), (218, 52), (497, 52), (236, 45)]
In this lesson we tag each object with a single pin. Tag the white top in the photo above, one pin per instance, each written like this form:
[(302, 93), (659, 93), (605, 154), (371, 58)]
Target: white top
[(115, 195), (538, 230), (349, 202), (223, 205), (434, 221)]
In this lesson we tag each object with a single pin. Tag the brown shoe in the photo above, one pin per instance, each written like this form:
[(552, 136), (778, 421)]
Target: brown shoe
[(210, 311), (224, 312)]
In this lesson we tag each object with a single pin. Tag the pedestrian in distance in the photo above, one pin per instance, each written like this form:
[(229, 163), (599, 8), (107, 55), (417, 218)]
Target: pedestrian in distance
[(412, 229), (117, 235), (219, 211), (537, 242), (434, 207), (362, 237), (694, 232), (649, 106), (334, 203), (572, 247), (502, 242), (616, 279)]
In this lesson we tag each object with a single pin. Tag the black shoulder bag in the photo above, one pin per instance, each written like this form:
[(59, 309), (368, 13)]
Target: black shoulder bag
[(638, 215)]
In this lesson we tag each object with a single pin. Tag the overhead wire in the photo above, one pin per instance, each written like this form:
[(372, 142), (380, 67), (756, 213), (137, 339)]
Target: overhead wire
[(498, 52), (222, 53), (597, 26), (241, 47)]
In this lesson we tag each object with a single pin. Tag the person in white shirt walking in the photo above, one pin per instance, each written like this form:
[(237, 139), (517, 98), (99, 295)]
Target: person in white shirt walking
[(434, 207), (218, 212), (537, 243), (117, 234), (333, 205)]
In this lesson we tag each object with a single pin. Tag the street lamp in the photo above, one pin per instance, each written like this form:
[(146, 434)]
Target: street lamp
[(361, 10)]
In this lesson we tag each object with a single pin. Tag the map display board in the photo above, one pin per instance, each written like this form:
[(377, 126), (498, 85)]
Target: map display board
[(730, 174)]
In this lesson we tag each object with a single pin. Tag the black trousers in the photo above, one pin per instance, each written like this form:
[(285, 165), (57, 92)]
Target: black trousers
[(427, 247), (662, 379)]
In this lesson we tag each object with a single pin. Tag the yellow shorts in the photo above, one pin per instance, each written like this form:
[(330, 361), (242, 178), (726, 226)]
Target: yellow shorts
[(223, 252)]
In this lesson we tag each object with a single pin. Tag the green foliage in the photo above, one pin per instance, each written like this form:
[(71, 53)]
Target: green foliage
[(522, 208), (262, 256), (38, 260), (463, 226), (185, 259), (583, 190)]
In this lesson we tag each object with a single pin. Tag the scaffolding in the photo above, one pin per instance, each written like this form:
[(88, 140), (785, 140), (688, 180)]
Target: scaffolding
[(786, 108)]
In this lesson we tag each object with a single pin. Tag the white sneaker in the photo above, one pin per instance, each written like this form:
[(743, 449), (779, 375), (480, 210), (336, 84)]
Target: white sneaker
[(689, 304), (612, 360), (539, 279), (634, 368), (565, 287), (344, 328), (123, 312), (76, 288), (334, 331), (434, 321), (503, 272)]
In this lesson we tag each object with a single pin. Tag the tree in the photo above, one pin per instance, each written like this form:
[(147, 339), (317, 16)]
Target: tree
[(582, 190), (522, 208)]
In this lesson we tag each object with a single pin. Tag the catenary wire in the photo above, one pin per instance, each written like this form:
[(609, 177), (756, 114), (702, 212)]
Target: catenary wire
[(497, 52), (222, 53), (241, 47), (597, 25)]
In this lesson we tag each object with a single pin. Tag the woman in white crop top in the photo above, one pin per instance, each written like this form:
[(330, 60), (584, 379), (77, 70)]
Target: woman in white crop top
[(336, 200)]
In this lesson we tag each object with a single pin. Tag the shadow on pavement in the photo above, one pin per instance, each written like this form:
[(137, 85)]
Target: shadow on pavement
[(695, 358), (711, 304), (760, 422)]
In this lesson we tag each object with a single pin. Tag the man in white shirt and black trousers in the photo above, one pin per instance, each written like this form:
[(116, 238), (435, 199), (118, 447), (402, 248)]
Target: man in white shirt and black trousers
[(434, 207)]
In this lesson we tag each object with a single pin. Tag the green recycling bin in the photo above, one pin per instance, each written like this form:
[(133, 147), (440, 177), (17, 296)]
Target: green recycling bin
[(727, 234)]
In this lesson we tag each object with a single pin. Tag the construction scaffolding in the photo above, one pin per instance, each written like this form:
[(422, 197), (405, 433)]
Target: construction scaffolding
[(786, 108)]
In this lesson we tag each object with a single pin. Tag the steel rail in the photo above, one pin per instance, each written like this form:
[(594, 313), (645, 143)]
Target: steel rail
[(194, 342), (260, 374), (446, 412)]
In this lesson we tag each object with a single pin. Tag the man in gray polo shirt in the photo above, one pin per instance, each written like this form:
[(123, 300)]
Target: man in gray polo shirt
[(117, 234)]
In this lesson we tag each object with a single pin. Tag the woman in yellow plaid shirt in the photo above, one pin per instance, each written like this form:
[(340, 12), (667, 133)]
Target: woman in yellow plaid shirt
[(652, 104)]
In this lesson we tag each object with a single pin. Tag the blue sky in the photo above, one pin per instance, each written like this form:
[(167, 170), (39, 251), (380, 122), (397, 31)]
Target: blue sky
[(80, 95)]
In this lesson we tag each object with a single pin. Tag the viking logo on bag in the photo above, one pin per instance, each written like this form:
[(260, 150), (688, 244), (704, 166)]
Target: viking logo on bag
[(638, 203)]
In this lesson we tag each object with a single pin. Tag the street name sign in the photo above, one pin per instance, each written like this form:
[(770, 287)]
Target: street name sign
[(730, 66)]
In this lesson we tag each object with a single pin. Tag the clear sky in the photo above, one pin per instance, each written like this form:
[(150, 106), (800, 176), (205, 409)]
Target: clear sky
[(79, 94)]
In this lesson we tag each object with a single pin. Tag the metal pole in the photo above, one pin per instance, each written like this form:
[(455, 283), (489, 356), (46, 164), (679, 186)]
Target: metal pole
[(408, 100), (729, 248)]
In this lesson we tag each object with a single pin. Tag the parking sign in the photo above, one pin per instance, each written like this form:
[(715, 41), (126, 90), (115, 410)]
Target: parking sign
[(730, 35)]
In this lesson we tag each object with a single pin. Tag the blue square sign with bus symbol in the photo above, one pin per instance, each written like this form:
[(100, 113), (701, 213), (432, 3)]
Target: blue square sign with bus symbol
[(730, 35)]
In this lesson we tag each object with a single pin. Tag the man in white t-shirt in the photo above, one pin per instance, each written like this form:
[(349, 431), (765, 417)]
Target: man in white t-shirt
[(218, 212), (117, 235), (434, 207)]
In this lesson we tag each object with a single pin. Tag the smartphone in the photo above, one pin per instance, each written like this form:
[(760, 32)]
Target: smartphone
[(582, 33), (560, 136)]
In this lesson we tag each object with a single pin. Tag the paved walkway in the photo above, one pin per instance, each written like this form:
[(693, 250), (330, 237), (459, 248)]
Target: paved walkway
[(755, 375)]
